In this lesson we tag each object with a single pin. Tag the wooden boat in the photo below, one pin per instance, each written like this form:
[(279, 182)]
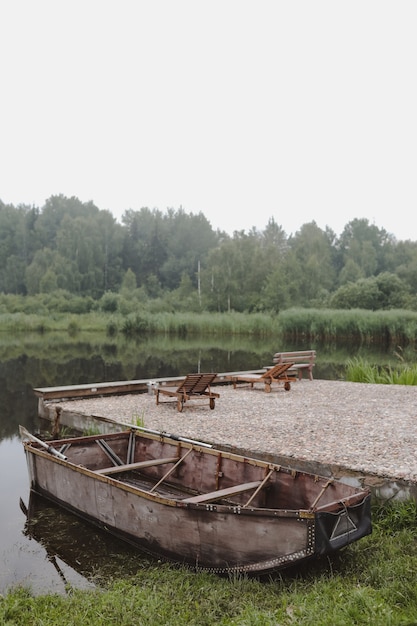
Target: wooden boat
[(73, 545), (196, 505)]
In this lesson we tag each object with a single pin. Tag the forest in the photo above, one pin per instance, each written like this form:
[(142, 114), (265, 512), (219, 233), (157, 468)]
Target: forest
[(176, 259)]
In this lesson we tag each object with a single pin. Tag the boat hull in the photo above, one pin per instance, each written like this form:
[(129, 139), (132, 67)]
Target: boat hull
[(226, 535)]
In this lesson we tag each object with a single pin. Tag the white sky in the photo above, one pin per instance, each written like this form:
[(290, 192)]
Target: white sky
[(243, 110)]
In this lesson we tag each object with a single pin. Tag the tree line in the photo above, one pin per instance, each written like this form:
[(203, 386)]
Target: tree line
[(176, 258)]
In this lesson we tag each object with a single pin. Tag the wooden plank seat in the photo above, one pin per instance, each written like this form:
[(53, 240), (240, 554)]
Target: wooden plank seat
[(275, 374), (222, 493), (302, 360), (135, 466), (193, 387)]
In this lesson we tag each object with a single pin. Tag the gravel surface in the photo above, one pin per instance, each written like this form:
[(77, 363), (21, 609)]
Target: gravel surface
[(367, 428)]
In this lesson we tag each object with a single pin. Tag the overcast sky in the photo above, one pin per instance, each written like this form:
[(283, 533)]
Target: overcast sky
[(243, 110)]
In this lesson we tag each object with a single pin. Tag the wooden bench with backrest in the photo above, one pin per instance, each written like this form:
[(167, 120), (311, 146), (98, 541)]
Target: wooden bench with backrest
[(302, 360)]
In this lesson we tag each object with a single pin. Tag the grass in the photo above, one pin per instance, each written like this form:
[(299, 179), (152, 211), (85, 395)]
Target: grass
[(360, 371), (393, 327), (138, 420), (370, 582), (88, 432)]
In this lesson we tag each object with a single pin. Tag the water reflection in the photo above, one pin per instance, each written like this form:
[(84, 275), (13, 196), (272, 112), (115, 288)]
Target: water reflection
[(80, 554), (58, 359)]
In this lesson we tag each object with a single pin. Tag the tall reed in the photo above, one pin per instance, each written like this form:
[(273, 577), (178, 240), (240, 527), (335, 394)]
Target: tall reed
[(359, 371), (396, 327), (188, 324), (361, 326)]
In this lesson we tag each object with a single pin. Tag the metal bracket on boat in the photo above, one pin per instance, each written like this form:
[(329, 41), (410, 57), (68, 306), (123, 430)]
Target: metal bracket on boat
[(131, 447), (110, 453)]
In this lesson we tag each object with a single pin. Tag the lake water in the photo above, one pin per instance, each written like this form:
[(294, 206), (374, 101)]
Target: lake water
[(54, 550)]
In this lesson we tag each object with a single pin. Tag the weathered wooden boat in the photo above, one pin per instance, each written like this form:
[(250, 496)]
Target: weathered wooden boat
[(71, 544), (196, 505)]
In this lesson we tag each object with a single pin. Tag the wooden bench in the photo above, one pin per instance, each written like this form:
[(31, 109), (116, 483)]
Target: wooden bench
[(303, 360), (116, 469), (222, 493)]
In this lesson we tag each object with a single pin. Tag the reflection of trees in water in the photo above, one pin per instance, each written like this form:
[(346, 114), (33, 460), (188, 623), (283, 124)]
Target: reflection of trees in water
[(53, 359)]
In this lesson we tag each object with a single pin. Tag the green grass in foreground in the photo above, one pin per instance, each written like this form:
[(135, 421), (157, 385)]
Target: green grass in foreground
[(371, 582)]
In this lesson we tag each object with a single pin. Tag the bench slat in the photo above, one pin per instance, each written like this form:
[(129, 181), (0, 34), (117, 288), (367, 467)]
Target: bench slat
[(302, 359), (132, 466), (222, 493)]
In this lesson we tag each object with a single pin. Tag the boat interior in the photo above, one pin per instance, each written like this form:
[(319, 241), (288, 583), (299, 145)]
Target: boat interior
[(194, 475)]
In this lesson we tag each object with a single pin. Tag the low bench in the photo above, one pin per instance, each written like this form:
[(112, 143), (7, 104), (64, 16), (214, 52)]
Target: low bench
[(222, 493), (116, 469), (303, 360)]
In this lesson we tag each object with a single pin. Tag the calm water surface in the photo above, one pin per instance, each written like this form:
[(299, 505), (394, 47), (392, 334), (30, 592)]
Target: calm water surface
[(53, 550)]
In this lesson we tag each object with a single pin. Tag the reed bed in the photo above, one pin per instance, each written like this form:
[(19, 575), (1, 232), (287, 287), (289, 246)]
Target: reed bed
[(360, 371), (184, 324), (386, 327), (394, 327)]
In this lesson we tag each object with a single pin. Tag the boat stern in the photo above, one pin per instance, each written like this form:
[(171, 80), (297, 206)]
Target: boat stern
[(334, 530)]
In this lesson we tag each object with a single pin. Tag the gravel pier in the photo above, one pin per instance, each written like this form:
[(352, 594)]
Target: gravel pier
[(367, 428)]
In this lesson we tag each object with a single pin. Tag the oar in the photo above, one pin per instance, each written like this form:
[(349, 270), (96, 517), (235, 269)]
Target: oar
[(25, 434), (169, 435), (161, 433)]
